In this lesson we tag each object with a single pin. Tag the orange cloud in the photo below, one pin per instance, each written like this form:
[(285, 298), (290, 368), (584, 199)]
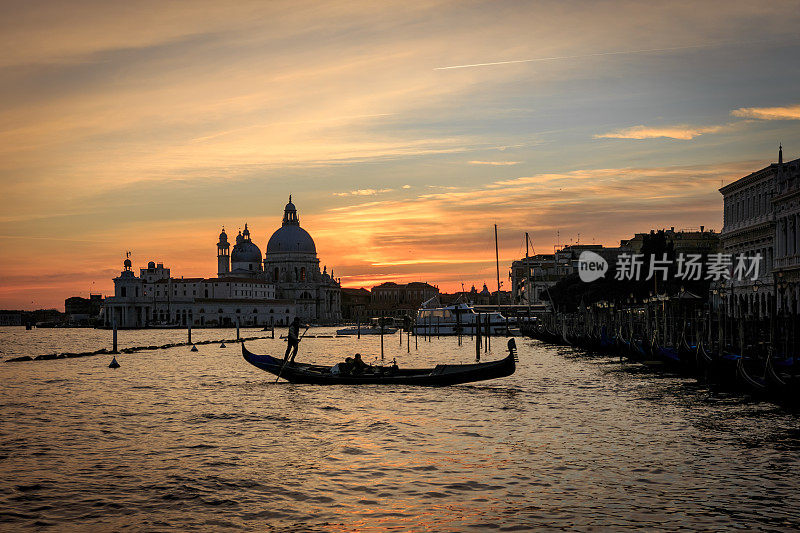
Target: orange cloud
[(791, 112), (495, 163), (682, 132), (363, 192)]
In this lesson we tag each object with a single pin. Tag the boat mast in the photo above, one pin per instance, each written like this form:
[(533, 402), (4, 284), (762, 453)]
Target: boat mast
[(497, 262), (527, 277)]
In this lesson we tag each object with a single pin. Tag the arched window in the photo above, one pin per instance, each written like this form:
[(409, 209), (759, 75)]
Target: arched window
[(302, 273), (276, 274), (255, 310), (122, 292), (220, 311)]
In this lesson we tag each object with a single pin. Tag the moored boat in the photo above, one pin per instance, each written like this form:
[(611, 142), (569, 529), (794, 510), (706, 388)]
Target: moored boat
[(459, 318)]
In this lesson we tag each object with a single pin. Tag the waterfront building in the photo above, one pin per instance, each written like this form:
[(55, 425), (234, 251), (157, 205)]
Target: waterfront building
[(531, 277), (155, 298), (749, 228), (10, 318), (566, 258), (687, 241), (394, 299), (355, 303), (786, 206), (249, 289), (81, 310), (542, 271)]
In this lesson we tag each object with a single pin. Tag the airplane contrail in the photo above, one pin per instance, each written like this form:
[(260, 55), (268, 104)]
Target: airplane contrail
[(621, 52)]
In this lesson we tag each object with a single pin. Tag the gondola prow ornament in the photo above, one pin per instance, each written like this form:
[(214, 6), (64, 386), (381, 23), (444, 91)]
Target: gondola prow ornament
[(512, 348)]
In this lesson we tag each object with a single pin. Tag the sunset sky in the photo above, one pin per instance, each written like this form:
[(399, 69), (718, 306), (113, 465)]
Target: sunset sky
[(404, 130)]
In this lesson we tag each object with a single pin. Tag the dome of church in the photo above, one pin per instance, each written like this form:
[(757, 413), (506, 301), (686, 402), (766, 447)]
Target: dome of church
[(246, 252), (290, 237)]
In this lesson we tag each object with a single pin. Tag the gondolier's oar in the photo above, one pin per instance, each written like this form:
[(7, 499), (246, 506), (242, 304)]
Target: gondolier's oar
[(286, 360)]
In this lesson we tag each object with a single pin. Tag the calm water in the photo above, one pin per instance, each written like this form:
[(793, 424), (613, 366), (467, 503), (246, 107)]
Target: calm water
[(203, 440)]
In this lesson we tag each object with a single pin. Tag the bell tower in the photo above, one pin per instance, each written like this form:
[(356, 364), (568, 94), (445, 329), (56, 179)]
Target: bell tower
[(223, 255)]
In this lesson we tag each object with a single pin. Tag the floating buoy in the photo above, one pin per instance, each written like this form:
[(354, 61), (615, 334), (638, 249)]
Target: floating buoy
[(222, 345), (113, 363), (194, 347)]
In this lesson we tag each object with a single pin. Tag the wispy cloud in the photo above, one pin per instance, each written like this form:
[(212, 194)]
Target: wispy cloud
[(600, 54), (363, 192), (682, 131), (791, 112), (495, 163), (688, 132)]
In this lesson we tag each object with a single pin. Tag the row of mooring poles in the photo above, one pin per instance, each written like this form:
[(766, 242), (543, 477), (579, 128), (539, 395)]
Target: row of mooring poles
[(115, 345)]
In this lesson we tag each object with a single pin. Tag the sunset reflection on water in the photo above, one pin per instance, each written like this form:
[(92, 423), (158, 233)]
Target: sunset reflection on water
[(205, 440)]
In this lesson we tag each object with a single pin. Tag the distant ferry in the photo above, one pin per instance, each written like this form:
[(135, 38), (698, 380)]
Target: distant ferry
[(460, 317)]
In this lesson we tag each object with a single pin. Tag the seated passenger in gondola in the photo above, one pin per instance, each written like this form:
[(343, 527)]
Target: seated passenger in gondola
[(359, 366), (344, 368)]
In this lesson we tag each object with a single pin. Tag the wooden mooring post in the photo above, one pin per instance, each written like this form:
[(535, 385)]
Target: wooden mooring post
[(114, 338)]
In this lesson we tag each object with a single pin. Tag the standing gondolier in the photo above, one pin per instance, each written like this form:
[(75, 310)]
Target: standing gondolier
[(292, 340)]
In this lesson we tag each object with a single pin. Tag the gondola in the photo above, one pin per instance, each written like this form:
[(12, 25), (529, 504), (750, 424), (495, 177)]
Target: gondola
[(755, 383), (704, 359), (438, 376)]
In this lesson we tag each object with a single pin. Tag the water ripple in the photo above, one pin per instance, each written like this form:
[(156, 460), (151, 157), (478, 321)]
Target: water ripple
[(568, 442)]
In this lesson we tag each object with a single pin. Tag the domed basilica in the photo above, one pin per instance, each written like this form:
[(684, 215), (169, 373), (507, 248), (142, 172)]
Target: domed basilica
[(290, 264), (249, 290)]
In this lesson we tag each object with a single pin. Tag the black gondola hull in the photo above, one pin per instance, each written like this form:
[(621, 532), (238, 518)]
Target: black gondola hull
[(438, 376)]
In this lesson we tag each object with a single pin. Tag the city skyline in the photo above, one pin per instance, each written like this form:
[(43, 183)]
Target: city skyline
[(403, 132)]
